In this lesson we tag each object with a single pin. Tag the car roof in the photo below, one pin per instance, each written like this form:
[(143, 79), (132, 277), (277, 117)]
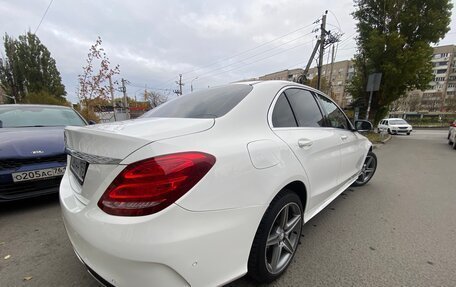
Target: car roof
[(36, 106), (393, 119)]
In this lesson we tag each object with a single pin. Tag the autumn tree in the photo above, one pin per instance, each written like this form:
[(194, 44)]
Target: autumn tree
[(394, 39), (94, 80), (155, 98), (28, 72)]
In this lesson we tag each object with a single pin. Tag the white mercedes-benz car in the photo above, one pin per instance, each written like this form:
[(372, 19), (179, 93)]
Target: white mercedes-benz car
[(209, 186)]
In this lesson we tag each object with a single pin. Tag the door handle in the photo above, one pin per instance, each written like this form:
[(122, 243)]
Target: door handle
[(344, 137), (304, 143)]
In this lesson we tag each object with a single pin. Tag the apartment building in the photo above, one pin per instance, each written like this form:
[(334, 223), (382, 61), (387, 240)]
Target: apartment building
[(285, 75), (337, 75), (441, 95), (339, 72)]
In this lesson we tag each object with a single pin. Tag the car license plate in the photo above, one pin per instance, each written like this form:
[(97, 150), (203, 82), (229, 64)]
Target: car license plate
[(79, 168), (38, 174)]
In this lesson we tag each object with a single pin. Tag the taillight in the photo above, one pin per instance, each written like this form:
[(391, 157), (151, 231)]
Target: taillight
[(150, 185)]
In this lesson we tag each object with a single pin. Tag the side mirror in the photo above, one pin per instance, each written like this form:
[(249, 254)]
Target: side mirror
[(91, 122), (363, 126)]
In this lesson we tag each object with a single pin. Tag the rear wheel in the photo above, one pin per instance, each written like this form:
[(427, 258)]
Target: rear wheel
[(389, 131), (368, 170), (277, 238)]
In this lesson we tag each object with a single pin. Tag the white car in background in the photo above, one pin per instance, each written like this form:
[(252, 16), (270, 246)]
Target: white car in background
[(394, 126), (209, 186), (452, 127), (452, 135)]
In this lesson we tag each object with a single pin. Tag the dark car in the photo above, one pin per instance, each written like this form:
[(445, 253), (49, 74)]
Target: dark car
[(32, 149)]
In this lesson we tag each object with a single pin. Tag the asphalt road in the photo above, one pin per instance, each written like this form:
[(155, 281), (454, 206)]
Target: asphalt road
[(399, 230)]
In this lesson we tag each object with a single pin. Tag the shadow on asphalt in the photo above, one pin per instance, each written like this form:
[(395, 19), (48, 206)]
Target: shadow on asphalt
[(29, 204)]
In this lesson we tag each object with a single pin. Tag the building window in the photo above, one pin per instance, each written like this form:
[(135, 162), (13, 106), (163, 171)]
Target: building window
[(442, 71)]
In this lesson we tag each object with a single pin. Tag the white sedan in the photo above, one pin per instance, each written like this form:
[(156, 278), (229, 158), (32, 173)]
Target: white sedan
[(395, 126), (209, 186), (452, 135)]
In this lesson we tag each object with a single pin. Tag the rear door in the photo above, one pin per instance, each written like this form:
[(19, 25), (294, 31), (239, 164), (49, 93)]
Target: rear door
[(298, 121), (351, 151)]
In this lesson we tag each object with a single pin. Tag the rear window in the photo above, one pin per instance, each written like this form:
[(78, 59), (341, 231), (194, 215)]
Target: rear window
[(38, 116), (209, 103)]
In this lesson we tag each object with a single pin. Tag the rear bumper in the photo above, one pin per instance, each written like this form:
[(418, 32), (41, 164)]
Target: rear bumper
[(174, 247)]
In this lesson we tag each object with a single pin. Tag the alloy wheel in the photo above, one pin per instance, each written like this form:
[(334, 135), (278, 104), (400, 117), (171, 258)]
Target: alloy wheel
[(283, 238), (369, 166)]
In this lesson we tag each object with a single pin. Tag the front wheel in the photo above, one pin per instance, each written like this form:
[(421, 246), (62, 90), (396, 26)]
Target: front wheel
[(277, 238), (454, 144), (408, 133), (368, 170)]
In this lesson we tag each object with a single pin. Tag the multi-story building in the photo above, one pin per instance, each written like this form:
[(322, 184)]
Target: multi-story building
[(440, 97), (441, 94), (337, 75), (285, 75)]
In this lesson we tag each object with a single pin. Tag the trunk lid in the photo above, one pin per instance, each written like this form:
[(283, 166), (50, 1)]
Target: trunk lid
[(103, 146), (119, 139)]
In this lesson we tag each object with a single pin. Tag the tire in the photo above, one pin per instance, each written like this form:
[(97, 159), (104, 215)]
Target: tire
[(283, 242), (450, 142), (368, 170), (389, 132), (408, 134), (454, 144), (448, 137)]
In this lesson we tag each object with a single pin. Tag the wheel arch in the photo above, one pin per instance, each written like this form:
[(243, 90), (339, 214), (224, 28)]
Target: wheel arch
[(300, 189)]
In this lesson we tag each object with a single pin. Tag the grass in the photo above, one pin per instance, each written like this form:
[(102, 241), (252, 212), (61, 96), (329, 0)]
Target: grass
[(375, 137)]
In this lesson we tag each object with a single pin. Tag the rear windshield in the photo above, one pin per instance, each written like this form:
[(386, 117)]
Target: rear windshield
[(37, 116), (209, 103)]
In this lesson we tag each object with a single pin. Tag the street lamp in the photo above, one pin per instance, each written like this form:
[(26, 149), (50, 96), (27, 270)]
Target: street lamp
[(191, 84)]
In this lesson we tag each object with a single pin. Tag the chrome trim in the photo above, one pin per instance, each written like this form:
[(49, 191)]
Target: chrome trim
[(92, 159)]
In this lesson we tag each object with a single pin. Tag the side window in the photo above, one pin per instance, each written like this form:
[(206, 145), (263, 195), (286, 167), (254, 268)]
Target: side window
[(336, 117), (305, 108), (282, 115)]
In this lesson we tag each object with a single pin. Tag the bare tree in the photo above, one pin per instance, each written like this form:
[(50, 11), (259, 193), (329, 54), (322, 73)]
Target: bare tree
[(155, 99), (94, 81)]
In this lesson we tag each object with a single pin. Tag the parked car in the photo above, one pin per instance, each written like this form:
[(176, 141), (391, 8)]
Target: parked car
[(210, 185), (452, 135), (395, 126), (32, 151), (452, 127)]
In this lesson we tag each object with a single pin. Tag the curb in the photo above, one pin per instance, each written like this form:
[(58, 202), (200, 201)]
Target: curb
[(387, 139), (377, 145)]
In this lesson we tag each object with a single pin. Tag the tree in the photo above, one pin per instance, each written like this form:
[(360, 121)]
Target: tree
[(29, 68), (94, 81), (155, 99), (394, 39)]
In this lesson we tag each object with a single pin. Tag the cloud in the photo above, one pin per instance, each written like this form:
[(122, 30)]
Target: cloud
[(155, 41)]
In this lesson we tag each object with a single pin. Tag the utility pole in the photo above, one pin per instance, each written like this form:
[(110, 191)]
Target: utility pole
[(124, 91), (322, 48), (331, 72), (179, 92), (111, 90)]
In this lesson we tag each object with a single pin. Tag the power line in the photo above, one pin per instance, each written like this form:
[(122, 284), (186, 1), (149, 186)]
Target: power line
[(44, 15), (261, 59), (253, 56), (243, 52)]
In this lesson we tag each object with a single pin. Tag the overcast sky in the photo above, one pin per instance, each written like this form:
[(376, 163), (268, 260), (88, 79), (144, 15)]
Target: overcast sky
[(154, 41)]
